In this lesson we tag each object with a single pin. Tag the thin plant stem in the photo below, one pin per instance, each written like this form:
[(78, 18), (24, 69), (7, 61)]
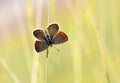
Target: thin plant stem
[(46, 67), (46, 62), (108, 77)]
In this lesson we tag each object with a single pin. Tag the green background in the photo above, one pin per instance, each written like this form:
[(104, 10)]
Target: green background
[(91, 55)]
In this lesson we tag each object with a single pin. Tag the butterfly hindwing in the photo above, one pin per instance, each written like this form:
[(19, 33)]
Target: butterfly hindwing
[(39, 34), (53, 29), (41, 46), (59, 38)]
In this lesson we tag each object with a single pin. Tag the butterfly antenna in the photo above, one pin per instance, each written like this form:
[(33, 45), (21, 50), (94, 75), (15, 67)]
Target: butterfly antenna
[(57, 49)]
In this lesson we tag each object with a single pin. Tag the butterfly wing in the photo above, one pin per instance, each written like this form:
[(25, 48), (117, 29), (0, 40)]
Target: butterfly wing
[(39, 34), (40, 46), (59, 38), (53, 29)]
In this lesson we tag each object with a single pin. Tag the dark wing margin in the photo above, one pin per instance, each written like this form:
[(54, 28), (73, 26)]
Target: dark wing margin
[(53, 29), (40, 46), (59, 38), (39, 34)]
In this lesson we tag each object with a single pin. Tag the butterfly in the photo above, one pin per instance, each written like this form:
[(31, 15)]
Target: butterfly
[(49, 37)]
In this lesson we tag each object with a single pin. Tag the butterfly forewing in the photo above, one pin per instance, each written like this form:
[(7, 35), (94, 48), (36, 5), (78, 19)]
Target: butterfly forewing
[(39, 34), (59, 38), (40, 46), (53, 29)]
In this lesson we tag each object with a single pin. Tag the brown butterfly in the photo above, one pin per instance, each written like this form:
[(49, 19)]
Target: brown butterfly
[(48, 37)]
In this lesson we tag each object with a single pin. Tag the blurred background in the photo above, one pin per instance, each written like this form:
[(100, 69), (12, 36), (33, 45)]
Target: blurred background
[(90, 56)]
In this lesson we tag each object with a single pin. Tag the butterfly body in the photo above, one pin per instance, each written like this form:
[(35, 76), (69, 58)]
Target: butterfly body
[(49, 37)]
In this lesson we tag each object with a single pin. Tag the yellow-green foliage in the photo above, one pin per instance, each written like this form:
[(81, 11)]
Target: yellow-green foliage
[(91, 55)]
